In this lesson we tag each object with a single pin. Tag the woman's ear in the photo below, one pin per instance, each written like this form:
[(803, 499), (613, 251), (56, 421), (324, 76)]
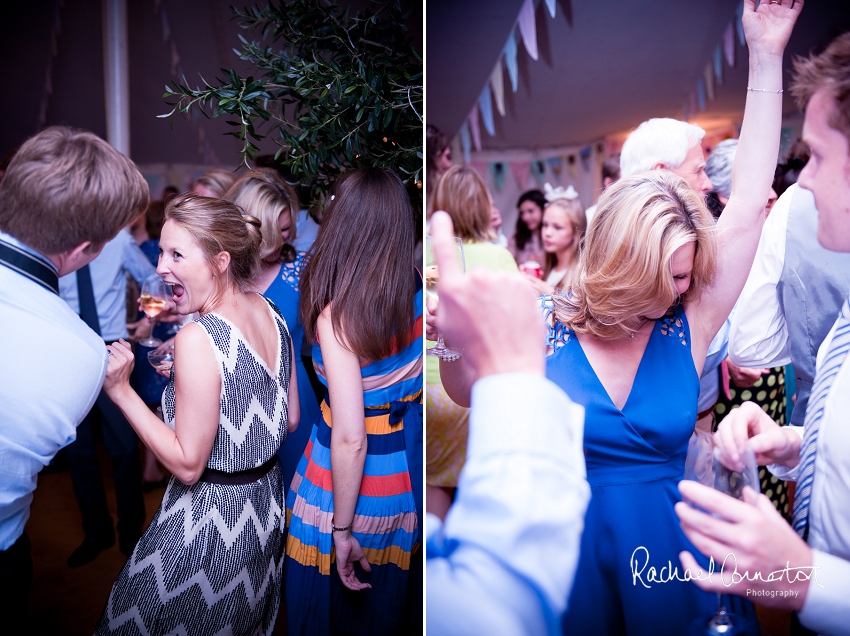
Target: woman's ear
[(221, 262)]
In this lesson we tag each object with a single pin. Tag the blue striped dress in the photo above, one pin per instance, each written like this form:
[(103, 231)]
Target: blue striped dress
[(386, 521)]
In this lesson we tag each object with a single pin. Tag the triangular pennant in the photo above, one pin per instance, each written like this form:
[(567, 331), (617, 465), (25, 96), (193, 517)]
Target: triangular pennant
[(465, 142), (520, 172), (550, 4), (693, 103), (497, 171), (739, 25), (585, 154), (473, 127), (527, 28), (538, 169), (708, 76), (701, 93), (480, 167), (556, 166), (718, 65), (510, 61), (729, 44), (497, 81), (485, 106)]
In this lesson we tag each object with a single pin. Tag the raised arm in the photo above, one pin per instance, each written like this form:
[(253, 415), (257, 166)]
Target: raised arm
[(767, 31), (185, 450)]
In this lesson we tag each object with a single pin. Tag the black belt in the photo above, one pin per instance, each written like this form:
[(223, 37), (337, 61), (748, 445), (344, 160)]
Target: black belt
[(241, 478), (29, 266)]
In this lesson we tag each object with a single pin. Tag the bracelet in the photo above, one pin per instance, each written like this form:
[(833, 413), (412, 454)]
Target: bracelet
[(764, 90), (345, 529)]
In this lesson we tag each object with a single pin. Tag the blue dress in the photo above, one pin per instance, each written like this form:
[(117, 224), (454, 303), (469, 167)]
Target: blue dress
[(285, 293), (635, 458)]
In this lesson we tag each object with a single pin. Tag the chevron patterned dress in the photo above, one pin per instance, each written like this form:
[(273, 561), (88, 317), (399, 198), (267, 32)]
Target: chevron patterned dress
[(212, 558), (386, 517)]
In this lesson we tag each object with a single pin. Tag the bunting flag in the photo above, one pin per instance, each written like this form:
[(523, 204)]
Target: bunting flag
[(585, 155), (739, 25), (485, 106), (538, 169), (497, 81), (692, 104), (556, 166), (465, 142), (729, 45), (497, 171), (701, 93), (473, 127), (527, 28), (708, 76), (480, 167), (718, 65), (550, 4), (520, 170), (510, 61)]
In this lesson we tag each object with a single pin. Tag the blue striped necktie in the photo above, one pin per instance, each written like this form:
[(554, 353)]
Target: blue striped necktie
[(826, 373)]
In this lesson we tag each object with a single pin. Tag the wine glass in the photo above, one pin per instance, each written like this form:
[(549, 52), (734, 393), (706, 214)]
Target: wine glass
[(706, 464), (162, 358), (152, 301), (432, 277)]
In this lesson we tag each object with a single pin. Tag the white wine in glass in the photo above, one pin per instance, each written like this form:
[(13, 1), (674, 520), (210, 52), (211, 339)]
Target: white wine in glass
[(152, 301), (432, 278)]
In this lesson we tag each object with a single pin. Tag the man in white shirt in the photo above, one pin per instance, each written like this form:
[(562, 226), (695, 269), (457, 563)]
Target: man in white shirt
[(810, 574), (64, 195), (504, 561)]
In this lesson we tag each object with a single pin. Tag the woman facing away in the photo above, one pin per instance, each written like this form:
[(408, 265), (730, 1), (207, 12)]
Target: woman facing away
[(463, 195), (212, 558), (353, 559), (526, 245), (264, 194), (655, 283), (564, 224)]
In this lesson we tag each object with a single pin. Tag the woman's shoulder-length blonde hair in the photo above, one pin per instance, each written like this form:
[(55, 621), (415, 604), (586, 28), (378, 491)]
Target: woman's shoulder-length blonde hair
[(462, 193), (624, 270)]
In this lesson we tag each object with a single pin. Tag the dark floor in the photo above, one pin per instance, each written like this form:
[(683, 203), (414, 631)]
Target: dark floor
[(69, 601)]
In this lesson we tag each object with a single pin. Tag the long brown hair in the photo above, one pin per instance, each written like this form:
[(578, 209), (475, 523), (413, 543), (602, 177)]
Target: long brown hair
[(360, 265)]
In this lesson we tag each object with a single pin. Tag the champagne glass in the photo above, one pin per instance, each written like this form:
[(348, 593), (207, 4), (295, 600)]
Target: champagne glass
[(432, 277), (706, 464), (162, 358), (152, 301)]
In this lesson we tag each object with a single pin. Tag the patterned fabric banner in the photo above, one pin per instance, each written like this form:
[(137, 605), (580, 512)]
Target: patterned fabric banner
[(708, 76), (701, 93), (510, 61), (480, 167), (497, 171), (556, 166), (718, 64), (729, 45), (528, 28), (497, 81), (585, 155), (538, 169), (520, 170), (739, 25), (550, 4), (485, 106), (465, 142), (473, 127)]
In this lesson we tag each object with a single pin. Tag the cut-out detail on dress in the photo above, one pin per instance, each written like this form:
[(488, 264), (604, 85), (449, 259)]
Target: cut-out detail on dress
[(291, 272), (557, 333), (672, 325)]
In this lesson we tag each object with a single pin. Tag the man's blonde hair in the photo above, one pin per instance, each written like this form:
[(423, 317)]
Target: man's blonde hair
[(624, 270), (65, 187)]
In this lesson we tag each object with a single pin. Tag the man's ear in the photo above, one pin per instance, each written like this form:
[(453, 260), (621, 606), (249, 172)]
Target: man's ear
[(76, 257), (660, 166)]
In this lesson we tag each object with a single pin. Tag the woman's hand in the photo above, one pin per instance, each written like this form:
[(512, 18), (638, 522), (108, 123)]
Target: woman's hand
[(767, 29), (118, 369), (349, 552)]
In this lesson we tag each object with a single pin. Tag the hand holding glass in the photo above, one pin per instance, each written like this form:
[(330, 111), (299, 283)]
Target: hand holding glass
[(707, 465), (152, 301), (432, 278), (162, 358)]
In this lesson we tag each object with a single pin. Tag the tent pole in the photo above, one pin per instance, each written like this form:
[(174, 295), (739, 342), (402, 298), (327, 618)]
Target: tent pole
[(116, 75)]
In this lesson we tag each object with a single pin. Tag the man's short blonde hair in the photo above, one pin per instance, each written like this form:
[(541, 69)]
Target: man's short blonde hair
[(65, 187)]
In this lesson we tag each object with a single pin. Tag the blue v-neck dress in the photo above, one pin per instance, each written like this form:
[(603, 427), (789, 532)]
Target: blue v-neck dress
[(635, 458)]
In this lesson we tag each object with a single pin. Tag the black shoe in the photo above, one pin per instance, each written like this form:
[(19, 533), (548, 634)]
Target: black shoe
[(127, 543), (88, 550)]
